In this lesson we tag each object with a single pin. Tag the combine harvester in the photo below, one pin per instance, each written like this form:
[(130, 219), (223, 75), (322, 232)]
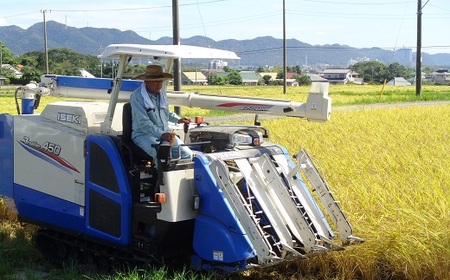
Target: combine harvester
[(242, 201)]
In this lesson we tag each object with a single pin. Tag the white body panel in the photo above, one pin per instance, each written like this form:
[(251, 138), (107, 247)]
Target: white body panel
[(180, 191), (85, 117), (44, 147), (54, 140)]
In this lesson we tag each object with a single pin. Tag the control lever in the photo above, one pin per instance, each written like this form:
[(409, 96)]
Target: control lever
[(197, 120), (185, 130)]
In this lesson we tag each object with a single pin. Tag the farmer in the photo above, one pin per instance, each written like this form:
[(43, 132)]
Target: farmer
[(151, 114)]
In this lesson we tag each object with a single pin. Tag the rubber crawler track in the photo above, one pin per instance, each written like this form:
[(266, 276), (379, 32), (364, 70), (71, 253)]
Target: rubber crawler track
[(63, 249)]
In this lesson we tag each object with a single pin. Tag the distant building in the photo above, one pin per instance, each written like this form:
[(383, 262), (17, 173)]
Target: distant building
[(404, 57), (209, 72), (193, 78), (290, 81), (2, 80), (350, 62), (339, 76), (273, 75), (9, 67), (217, 64), (442, 77), (316, 78), (250, 77), (398, 81)]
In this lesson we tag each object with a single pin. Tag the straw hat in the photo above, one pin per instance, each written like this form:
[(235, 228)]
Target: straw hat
[(154, 73)]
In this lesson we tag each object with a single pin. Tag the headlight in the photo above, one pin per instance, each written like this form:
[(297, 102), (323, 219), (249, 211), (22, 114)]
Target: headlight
[(249, 137)]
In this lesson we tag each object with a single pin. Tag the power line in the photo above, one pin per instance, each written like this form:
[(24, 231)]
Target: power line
[(137, 8), (219, 22), (358, 3), (19, 15), (441, 8), (328, 48), (347, 15), (401, 25)]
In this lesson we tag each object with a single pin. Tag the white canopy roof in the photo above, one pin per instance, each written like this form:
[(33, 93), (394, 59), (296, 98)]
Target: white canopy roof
[(165, 51)]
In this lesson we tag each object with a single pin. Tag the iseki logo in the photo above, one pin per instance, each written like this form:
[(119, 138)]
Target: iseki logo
[(69, 118)]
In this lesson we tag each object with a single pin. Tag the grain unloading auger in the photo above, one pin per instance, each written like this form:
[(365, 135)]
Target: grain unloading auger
[(240, 203)]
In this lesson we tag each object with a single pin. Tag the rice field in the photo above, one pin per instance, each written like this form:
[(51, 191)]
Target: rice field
[(389, 169)]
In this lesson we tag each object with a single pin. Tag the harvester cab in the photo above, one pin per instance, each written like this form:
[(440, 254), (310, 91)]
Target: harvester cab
[(241, 202)]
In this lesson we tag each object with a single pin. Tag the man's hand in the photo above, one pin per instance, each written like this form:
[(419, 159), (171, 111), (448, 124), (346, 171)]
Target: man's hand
[(184, 120), (167, 136)]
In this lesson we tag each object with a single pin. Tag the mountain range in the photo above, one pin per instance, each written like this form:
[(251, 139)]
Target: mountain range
[(260, 51)]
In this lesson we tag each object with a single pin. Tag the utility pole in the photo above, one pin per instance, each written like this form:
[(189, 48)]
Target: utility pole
[(45, 41), (419, 50), (176, 62), (284, 48)]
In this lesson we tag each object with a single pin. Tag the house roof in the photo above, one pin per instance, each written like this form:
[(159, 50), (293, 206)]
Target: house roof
[(290, 75), (336, 71), (11, 68), (271, 74), (195, 76), (398, 81), (221, 74), (208, 72), (250, 76), (316, 78)]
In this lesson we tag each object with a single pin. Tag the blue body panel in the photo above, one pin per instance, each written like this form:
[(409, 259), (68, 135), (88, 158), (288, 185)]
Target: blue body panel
[(38, 206), (49, 211), (27, 105), (122, 197), (6, 155), (218, 235), (94, 83), (213, 241)]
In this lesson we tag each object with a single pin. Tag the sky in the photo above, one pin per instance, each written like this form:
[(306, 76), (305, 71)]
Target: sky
[(387, 24)]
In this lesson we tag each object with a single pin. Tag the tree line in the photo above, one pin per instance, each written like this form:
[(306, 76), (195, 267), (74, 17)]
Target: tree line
[(63, 61)]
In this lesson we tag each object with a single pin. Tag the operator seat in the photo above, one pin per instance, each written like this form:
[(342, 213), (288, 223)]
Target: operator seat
[(137, 152), (138, 160)]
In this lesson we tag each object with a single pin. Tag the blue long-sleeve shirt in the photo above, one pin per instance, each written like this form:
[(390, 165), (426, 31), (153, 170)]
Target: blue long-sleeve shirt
[(150, 122)]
